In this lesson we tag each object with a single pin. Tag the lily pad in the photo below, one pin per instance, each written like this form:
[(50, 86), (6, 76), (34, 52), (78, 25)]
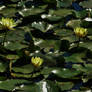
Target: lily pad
[(43, 86), (29, 12), (10, 84), (86, 4), (24, 69), (66, 73), (3, 66), (65, 85)]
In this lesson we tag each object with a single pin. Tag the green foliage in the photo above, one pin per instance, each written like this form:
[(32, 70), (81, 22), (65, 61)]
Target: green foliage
[(45, 29), (86, 4)]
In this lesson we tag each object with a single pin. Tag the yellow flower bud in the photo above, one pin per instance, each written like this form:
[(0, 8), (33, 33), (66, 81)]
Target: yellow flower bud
[(80, 32), (37, 61), (7, 24)]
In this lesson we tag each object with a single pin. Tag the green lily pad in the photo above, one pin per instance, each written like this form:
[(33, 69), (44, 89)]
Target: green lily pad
[(86, 4), (73, 23), (66, 73), (9, 11), (29, 12), (10, 84), (87, 44), (3, 66), (62, 12), (76, 58), (65, 85), (80, 14), (43, 86), (15, 46), (24, 69), (65, 3)]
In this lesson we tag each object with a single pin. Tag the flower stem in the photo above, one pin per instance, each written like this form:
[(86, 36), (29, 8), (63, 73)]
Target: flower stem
[(10, 66), (89, 15), (4, 37), (78, 42)]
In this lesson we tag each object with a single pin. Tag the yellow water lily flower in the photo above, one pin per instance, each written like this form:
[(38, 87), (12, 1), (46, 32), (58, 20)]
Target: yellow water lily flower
[(37, 61), (80, 32), (7, 23)]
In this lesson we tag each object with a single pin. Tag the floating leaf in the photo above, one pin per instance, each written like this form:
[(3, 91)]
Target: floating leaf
[(29, 12), (73, 23), (86, 4), (43, 86), (87, 45), (24, 69), (62, 12), (10, 84), (15, 46), (3, 66), (65, 3), (80, 14), (65, 85), (66, 73), (75, 58)]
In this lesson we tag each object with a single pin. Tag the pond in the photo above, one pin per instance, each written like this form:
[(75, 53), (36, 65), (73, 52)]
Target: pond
[(45, 46)]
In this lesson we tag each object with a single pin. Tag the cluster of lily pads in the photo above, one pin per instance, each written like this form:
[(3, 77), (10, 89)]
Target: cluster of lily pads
[(45, 46)]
